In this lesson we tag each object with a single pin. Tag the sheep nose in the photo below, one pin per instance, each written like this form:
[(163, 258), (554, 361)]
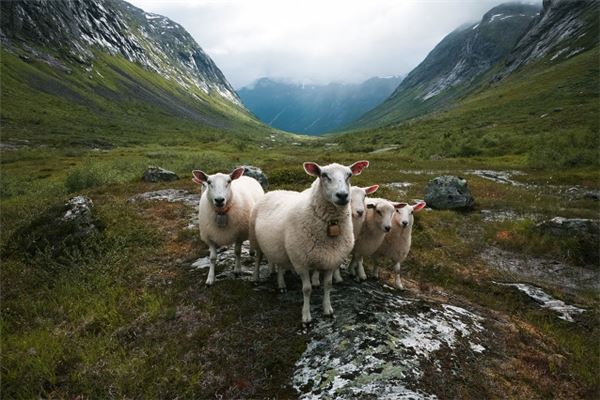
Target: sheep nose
[(404, 223), (343, 197), (360, 212), (387, 228), (219, 201)]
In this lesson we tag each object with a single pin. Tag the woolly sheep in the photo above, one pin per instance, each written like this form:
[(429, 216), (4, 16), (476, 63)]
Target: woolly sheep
[(396, 244), (357, 206), (224, 212), (377, 223), (308, 230)]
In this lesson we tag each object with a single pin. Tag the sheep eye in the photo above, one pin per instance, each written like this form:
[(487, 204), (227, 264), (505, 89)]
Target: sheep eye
[(209, 182), (378, 212), (325, 176)]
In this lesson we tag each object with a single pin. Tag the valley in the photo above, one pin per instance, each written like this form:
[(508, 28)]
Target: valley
[(500, 300)]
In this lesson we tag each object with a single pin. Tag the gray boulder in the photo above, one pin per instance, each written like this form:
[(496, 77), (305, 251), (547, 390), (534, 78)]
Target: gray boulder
[(256, 173), (448, 192), (567, 227), (78, 212), (158, 174)]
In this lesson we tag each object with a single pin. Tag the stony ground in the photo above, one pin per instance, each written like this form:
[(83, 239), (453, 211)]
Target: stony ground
[(424, 342)]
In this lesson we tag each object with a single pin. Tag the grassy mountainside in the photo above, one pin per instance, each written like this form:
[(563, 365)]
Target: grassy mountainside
[(545, 115), (119, 103)]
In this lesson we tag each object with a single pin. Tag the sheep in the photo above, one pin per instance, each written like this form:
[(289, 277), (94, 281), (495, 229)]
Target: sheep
[(377, 223), (396, 244), (357, 206), (308, 230), (224, 212)]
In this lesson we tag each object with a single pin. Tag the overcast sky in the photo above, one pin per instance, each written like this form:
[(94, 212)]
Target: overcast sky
[(318, 41)]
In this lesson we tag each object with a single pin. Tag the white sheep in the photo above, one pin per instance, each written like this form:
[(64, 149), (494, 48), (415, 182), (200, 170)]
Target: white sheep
[(224, 212), (308, 230), (396, 244), (357, 207), (377, 224)]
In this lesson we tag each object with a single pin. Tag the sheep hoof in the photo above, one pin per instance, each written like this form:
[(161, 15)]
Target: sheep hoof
[(306, 326), (209, 284), (329, 315)]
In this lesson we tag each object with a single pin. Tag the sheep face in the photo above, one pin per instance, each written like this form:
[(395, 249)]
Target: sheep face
[(334, 179), (381, 213), (403, 216), (357, 200), (217, 187)]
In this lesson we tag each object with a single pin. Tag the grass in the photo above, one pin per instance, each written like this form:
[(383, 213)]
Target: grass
[(128, 319)]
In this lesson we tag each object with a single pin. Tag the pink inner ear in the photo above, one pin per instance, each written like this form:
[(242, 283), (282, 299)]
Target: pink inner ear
[(419, 206), (372, 189), (199, 176), (312, 169), (358, 166), (237, 173)]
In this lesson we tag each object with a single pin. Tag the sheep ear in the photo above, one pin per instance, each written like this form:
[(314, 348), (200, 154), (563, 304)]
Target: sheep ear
[(371, 205), (371, 189), (419, 206), (312, 169), (236, 173), (400, 205), (358, 166), (199, 177)]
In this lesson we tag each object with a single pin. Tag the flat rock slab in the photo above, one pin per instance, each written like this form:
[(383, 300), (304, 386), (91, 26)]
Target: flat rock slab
[(380, 342), (566, 311), (542, 270)]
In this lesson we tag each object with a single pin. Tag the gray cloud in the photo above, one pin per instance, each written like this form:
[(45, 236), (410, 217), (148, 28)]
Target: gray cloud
[(318, 41)]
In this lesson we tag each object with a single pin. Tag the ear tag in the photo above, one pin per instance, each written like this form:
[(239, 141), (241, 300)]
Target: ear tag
[(333, 229), (221, 220)]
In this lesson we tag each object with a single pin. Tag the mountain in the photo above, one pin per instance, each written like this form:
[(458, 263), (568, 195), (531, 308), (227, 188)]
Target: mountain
[(563, 29), (537, 105), (117, 70), (457, 65), (314, 109)]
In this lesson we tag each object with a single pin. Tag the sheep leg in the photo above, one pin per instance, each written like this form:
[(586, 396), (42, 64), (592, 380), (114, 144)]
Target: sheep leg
[(352, 266), (237, 270), (376, 271), (397, 281), (306, 290), (315, 278), (272, 269), (337, 276), (327, 310), (281, 280), (361, 270), (257, 260), (213, 262)]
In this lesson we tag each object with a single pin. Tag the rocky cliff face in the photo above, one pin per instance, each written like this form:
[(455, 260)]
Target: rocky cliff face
[(563, 29), (75, 30)]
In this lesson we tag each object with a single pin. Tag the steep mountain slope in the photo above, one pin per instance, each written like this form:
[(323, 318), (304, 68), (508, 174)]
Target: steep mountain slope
[(314, 109), (544, 116), (104, 66), (456, 66), (563, 29)]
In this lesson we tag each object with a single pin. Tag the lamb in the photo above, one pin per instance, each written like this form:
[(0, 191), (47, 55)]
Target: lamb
[(224, 212), (396, 244), (357, 206), (308, 230), (378, 222)]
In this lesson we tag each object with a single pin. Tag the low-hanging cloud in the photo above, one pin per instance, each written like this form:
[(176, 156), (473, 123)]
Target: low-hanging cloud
[(318, 41)]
